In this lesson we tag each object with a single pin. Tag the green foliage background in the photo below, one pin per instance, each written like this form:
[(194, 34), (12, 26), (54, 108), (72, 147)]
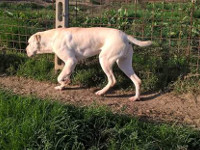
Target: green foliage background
[(161, 66)]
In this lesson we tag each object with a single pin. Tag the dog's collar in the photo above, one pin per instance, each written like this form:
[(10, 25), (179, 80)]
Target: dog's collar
[(38, 46)]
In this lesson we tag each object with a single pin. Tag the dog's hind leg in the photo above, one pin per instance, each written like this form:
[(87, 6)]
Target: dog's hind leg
[(64, 76), (107, 65), (125, 64)]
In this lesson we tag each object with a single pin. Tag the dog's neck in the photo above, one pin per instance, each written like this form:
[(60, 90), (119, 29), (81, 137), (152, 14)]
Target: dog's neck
[(45, 44)]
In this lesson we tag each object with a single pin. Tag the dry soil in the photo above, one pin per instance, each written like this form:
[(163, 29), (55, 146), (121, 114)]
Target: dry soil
[(161, 107)]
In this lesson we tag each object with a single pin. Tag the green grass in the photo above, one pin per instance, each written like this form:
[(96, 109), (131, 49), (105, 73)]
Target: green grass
[(40, 67), (31, 123), (157, 73), (189, 85)]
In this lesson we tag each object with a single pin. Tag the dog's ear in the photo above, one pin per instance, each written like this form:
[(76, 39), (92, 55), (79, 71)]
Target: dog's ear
[(38, 37)]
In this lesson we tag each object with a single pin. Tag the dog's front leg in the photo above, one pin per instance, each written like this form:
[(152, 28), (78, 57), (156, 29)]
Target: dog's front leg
[(64, 76)]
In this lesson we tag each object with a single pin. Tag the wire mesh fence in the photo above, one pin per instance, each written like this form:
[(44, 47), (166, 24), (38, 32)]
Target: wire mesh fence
[(174, 25), (20, 19)]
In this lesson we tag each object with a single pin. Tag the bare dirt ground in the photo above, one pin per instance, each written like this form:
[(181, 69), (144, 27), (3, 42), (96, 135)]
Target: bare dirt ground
[(162, 107)]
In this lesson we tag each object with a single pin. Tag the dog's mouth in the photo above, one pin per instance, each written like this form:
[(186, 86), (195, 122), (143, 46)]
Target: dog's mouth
[(30, 54)]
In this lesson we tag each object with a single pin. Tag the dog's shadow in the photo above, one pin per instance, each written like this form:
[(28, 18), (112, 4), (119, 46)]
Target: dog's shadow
[(151, 95), (73, 88), (144, 96)]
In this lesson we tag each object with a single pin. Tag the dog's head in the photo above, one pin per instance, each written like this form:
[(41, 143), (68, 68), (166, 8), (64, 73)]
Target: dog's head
[(34, 45)]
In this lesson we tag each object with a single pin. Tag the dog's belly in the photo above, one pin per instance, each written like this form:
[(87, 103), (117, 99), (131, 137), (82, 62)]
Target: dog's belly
[(85, 53)]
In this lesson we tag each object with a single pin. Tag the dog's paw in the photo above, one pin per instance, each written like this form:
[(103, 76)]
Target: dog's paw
[(67, 82), (134, 98), (99, 93), (59, 88)]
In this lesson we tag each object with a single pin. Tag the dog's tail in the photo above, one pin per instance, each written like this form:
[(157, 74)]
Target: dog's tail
[(138, 42)]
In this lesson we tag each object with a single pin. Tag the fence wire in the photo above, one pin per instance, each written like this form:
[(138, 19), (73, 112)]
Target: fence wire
[(174, 25), (20, 19)]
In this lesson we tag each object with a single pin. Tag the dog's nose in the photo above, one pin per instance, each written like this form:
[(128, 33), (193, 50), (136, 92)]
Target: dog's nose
[(28, 54), (26, 51)]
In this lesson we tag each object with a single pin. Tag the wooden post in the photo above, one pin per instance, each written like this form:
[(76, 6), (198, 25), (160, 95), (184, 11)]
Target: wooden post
[(62, 21)]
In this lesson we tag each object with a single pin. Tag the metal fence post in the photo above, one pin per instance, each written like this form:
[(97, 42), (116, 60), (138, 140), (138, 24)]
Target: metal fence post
[(62, 21)]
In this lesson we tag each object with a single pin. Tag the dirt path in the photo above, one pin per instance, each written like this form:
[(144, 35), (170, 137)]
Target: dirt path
[(157, 106)]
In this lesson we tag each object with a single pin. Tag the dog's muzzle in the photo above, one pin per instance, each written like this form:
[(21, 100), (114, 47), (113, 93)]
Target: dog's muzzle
[(29, 54)]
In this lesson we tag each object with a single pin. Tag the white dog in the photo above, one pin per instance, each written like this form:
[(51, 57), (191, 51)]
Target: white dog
[(74, 44)]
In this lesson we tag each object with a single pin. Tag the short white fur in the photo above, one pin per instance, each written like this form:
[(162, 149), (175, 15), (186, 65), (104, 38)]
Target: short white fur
[(74, 44)]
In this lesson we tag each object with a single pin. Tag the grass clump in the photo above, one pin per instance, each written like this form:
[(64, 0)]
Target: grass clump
[(157, 73), (39, 67), (88, 77), (187, 85), (10, 62), (31, 123)]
